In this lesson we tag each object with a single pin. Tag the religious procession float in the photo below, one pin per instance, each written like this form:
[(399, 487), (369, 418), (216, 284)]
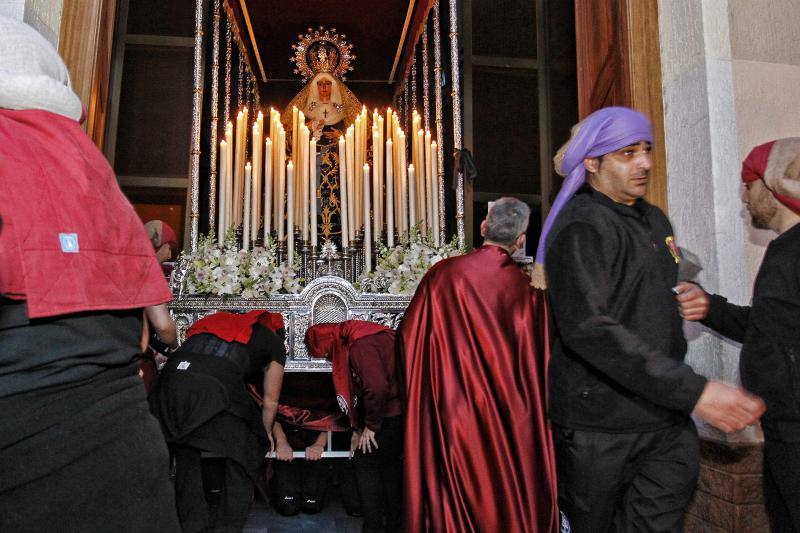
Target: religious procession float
[(324, 210)]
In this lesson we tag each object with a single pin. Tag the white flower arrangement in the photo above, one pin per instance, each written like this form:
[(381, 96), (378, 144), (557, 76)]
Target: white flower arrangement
[(227, 270), (400, 269)]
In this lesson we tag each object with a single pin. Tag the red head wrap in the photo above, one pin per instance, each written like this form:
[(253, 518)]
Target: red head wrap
[(333, 342), (236, 327), (769, 162)]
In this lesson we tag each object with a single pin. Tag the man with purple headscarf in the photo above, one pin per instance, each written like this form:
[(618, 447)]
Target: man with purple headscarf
[(621, 396)]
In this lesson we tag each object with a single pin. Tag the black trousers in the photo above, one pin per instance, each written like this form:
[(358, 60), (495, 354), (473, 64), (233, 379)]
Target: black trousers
[(194, 511), (380, 479), (626, 482), (782, 485), (299, 485), (302, 482), (87, 458)]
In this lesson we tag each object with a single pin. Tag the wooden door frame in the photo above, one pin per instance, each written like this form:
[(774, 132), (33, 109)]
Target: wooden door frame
[(619, 63), (85, 44)]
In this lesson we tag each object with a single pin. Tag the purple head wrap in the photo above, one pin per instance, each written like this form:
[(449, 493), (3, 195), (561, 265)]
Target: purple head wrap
[(602, 132)]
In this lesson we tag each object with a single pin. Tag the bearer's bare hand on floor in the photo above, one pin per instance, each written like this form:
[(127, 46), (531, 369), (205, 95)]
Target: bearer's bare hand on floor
[(728, 408), (367, 443)]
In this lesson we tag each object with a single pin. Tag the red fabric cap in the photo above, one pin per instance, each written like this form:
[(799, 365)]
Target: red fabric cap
[(161, 233), (70, 240), (235, 327), (755, 164), (333, 342), (754, 167)]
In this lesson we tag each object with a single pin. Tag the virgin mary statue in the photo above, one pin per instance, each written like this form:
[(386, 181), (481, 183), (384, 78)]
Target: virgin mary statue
[(323, 58)]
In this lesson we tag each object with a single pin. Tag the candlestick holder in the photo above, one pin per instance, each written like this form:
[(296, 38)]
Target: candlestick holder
[(305, 259), (280, 251)]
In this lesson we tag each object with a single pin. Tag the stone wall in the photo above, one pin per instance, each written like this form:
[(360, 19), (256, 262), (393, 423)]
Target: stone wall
[(731, 80)]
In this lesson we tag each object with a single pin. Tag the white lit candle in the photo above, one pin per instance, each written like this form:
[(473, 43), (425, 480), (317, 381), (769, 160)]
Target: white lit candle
[(367, 236), (238, 154), (377, 223), (290, 187), (343, 193), (248, 176), (302, 182), (389, 195), (412, 208), (229, 176), (222, 188), (312, 187), (435, 194), (352, 190), (280, 223), (428, 182), (267, 189), (255, 191)]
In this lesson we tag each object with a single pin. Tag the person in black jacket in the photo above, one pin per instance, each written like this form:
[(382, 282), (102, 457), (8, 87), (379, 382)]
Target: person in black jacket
[(627, 454), (768, 329)]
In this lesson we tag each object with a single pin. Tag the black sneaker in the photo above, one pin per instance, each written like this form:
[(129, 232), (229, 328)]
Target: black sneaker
[(287, 506), (311, 506)]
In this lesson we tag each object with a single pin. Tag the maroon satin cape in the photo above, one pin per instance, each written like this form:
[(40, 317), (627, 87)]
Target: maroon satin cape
[(478, 449)]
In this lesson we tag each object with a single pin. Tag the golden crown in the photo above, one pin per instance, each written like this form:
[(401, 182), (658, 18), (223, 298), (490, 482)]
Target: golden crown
[(322, 50)]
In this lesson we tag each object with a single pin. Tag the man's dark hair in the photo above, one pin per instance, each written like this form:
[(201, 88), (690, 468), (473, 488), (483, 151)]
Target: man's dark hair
[(507, 220)]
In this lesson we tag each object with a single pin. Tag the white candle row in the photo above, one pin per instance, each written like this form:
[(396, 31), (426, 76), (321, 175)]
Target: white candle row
[(282, 194), (269, 189), (399, 195)]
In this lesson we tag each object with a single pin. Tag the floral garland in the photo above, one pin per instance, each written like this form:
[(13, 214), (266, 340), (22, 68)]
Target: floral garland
[(227, 270), (400, 269)]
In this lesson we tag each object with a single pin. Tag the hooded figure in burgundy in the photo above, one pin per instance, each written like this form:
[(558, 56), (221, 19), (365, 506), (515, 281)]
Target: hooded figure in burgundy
[(368, 389)]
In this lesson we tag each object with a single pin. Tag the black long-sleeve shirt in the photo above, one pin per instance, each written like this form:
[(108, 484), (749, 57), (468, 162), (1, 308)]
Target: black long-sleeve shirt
[(770, 333), (618, 347)]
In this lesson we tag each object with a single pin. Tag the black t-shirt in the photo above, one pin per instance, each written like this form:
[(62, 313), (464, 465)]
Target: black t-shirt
[(264, 347)]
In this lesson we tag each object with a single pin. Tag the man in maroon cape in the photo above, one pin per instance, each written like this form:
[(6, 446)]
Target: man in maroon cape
[(478, 451)]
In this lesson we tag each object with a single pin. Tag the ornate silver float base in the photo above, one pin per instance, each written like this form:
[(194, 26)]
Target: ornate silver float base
[(326, 299)]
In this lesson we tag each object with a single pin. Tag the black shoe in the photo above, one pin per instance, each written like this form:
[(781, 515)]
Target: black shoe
[(311, 506), (286, 506)]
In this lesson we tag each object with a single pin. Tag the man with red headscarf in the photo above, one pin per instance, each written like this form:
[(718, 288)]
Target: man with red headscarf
[(369, 392), (768, 328), (478, 451)]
